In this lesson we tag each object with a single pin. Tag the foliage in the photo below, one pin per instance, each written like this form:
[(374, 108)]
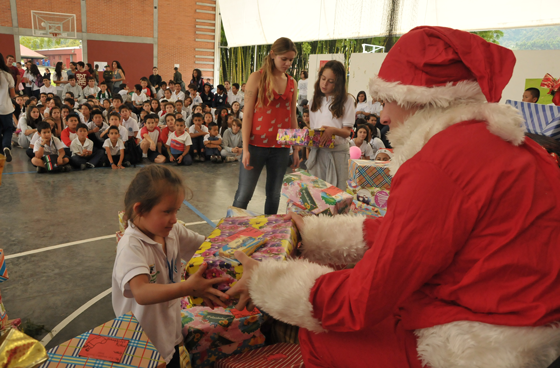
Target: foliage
[(491, 36), (535, 38), (41, 43)]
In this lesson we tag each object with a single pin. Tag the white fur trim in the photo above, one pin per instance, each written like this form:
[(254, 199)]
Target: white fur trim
[(505, 121), (479, 345), (442, 96), (282, 290), (333, 240)]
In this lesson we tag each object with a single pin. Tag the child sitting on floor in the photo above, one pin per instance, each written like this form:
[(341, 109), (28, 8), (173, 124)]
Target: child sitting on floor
[(164, 135), (178, 144), (197, 132), (233, 142), (213, 143), (149, 135), (96, 127), (361, 142), (49, 151), (84, 155), (147, 272), (114, 150)]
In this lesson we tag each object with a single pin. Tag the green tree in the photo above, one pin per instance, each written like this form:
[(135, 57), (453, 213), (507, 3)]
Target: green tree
[(41, 43), (490, 36)]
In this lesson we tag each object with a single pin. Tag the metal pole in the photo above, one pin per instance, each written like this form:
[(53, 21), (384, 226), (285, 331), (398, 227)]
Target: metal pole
[(255, 60), (217, 51)]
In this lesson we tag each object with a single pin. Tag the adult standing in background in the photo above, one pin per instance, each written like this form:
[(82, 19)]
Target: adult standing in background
[(118, 76), (60, 79), (93, 73), (178, 78), (73, 69), (6, 109), (302, 89), (13, 70), (155, 79), (47, 73)]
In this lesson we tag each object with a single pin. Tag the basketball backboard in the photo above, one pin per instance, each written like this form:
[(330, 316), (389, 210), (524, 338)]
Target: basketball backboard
[(47, 24)]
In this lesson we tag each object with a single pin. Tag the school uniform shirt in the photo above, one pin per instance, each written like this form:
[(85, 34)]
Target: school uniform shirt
[(103, 96), (170, 99), (179, 96), (203, 128), (115, 149), (219, 100), (49, 89), (207, 98), (76, 90), (63, 78), (91, 125), (323, 117), (30, 79), (154, 134), (235, 97), (137, 254), (34, 139), (160, 94), (366, 149), (147, 92), (363, 106), (88, 91), (376, 144), (164, 135), (131, 126), (123, 132), (6, 105), (216, 137), (196, 100), (67, 136), (50, 149), (178, 144), (139, 99), (77, 147)]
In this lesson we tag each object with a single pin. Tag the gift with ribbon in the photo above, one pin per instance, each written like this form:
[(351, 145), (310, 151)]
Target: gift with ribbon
[(553, 86)]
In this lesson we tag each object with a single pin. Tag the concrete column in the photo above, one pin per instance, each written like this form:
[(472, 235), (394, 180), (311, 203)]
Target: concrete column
[(217, 39), (15, 29), (155, 36), (84, 32)]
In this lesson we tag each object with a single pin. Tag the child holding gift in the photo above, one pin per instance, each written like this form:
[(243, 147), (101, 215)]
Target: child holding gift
[(147, 272), (333, 110)]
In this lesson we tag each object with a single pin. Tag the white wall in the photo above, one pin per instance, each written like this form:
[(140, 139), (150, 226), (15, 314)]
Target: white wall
[(530, 65), (314, 66)]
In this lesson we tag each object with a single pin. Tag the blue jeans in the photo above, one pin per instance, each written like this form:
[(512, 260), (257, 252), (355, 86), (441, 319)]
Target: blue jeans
[(276, 162), (6, 131)]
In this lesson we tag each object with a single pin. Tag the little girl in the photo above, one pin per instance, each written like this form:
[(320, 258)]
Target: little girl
[(147, 271), (333, 110), (361, 142), (362, 107), (384, 154), (208, 118)]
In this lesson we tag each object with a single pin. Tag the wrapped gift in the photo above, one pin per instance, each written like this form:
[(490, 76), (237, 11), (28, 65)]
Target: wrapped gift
[(3, 315), (240, 212), (122, 222), (303, 137), (139, 352), (212, 334), (3, 268), (371, 196), (367, 174), (273, 356), (185, 358), (359, 208), (297, 208), (539, 119), (17, 350), (315, 195), (281, 242)]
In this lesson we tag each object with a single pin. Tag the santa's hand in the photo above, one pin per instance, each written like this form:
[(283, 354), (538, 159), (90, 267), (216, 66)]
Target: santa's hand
[(298, 220), (241, 288)]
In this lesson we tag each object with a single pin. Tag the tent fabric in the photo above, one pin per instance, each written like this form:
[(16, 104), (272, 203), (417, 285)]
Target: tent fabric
[(28, 53), (261, 22)]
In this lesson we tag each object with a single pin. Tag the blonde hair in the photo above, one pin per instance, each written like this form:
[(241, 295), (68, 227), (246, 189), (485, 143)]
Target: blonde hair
[(266, 89)]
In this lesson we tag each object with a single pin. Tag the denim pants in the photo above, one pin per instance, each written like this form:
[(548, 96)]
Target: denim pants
[(276, 162), (6, 131)]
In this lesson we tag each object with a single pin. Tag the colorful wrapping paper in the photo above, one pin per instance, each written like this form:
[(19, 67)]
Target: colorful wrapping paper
[(372, 196), (281, 242), (17, 350), (212, 334), (240, 212), (293, 207), (273, 356), (3, 315), (3, 268), (315, 195), (366, 173), (303, 137), (359, 208), (140, 352), (539, 119)]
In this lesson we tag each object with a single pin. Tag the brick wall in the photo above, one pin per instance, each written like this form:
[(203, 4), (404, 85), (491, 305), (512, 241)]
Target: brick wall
[(5, 14), (127, 18)]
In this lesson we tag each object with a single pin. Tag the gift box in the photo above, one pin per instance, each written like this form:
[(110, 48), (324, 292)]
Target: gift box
[(3, 268), (281, 242), (303, 137), (539, 119), (3, 315), (273, 356), (240, 212), (315, 195), (17, 350), (359, 208), (297, 208), (366, 173), (212, 334), (139, 352), (371, 196)]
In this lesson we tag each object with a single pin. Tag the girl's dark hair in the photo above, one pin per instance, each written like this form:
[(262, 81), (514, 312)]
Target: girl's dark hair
[(304, 73), (198, 77), (35, 71), (118, 65), (209, 113), (158, 109), (90, 69), (3, 65), (551, 145), (373, 131), (339, 97), (30, 121), (58, 71), (222, 120), (236, 114), (148, 187), (361, 93)]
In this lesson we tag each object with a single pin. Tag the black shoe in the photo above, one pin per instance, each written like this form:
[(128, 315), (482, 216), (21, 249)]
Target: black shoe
[(90, 165), (126, 164), (66, 168), (41, 170), (202, 158), (83, 166), (8, 154)]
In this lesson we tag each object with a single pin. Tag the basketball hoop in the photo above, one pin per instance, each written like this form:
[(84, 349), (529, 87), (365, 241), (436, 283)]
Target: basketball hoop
[(55, 35)]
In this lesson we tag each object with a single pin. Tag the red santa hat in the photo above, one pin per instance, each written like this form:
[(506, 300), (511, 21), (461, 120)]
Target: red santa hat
[(441, 67)]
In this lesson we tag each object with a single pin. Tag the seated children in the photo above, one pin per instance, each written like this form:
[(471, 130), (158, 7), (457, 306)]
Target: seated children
[(149, 135), (208, 118), (178, 94), (103, 93), (361, 142), (49, 151), (168, 108), (196, 99), (114, 150), (124, 93), (531, 95), (96, 127), (207, 96), (384, 154), (197, 109), (233, 142), (179, 109), (138, 98), (36, 137), (161, 93), (213, 143), (146, 87), (147, 276), (197, 132), (72, 87), (85, 113), (47, 87), (220, 98), (178, 144), (69, 133), (91, 89), (115, 120), (168, 96), (128, 122), (84, 155), (27, 124), (164, 135)]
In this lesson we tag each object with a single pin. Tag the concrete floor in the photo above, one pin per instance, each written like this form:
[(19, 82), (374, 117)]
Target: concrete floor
[(43, 210)]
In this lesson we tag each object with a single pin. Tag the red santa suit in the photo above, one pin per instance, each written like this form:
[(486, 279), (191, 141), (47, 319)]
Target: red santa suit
[(464, 269)]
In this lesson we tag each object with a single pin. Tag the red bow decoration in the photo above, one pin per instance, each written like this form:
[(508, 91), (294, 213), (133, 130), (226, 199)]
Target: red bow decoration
[(550, 83)]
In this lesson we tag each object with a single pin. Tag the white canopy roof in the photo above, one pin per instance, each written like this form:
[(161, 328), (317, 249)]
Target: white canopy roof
[(261, 22)]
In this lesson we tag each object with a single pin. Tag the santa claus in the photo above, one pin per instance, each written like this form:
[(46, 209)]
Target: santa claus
[(464, 270)]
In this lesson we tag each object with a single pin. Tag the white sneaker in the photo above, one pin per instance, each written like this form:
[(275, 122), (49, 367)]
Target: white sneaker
[(230, 159), (144, 155), (8, 154)]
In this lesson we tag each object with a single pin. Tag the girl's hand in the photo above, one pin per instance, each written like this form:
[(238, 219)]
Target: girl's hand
[(298, 220), (247, 160), (242, 286), (199, 287), (327, 134), (295, 165)]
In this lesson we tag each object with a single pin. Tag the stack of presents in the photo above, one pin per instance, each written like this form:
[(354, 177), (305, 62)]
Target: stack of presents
[(226, 337)]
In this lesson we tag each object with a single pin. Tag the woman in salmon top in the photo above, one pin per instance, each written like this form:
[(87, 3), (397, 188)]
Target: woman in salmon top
[(270, 104)]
